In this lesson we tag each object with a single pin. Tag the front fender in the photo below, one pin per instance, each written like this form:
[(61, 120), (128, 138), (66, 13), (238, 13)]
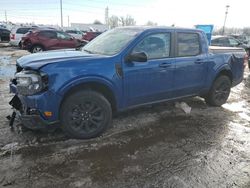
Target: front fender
[(86, 79)]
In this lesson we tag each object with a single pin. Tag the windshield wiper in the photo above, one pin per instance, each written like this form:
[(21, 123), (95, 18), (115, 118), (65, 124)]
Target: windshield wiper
[(90, 52)]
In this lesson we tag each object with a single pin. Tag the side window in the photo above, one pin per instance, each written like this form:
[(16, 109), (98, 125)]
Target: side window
[(188, 44), (156, 46), (233, 42), (23, 30), (215, 42), (63, 36), (224, 42), (48, 34)]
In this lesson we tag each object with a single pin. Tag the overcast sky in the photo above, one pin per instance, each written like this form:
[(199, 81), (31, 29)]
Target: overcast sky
[(184, 13)]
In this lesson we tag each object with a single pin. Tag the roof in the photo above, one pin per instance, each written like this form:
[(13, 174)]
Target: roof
[(144, 28)]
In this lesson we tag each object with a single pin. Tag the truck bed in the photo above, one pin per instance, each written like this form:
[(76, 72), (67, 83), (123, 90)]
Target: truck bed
[(218, 49)]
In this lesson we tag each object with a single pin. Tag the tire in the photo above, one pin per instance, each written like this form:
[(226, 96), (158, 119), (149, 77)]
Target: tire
[(20, 45), (36, 49), (219, 91), (85, 114)]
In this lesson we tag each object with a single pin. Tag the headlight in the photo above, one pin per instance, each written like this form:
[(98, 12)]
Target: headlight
[(30, 82)]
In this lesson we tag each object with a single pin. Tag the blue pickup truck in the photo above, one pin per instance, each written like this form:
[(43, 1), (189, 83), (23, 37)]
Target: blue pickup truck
[(121, 69)]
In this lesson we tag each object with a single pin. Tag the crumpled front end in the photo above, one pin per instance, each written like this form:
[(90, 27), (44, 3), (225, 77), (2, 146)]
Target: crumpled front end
[(34, 103)]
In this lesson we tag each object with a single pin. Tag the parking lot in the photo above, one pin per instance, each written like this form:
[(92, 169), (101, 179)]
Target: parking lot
[(154, 146)]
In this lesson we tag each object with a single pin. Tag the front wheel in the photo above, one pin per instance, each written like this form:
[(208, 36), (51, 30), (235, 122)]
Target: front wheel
[(85, 114), (219, 91), (36, 49)]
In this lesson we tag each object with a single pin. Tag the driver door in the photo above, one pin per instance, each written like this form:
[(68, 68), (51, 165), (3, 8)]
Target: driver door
[(150, 81)]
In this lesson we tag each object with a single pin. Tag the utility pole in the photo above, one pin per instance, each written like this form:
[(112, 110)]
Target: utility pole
[(107, 16), (68, 21), (223, 30), (61, 13), (6, 16)]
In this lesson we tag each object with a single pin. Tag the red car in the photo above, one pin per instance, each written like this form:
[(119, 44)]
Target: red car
[(48, 39), (90, 35)]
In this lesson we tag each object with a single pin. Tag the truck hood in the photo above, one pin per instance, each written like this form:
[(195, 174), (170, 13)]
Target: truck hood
[(38, 60)]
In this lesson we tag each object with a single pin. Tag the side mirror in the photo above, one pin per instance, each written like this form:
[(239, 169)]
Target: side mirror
[(137, 57)]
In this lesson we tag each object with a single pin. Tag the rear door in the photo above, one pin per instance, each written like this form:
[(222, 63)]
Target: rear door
[(48, 39), (65, 40), (191, 66)]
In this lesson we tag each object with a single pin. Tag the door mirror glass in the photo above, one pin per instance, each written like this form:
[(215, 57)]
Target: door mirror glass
[(138, 57)]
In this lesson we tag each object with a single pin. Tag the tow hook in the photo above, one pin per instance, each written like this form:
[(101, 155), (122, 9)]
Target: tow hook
[(16, 104), (11, 119)]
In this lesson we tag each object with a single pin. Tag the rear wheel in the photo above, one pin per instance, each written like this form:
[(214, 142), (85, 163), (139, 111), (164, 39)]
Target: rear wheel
[(85, 114), (219, 91), (37, 48)]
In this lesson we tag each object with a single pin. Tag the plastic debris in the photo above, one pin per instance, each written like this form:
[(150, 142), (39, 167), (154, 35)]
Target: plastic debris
[(10, 146), (184, 106)]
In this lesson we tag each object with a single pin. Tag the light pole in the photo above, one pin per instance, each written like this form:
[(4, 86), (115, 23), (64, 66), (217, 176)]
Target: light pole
[(61, 13), (223, 30)]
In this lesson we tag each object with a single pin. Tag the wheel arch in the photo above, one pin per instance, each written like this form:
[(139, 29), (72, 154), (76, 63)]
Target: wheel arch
[(94, 85), (225, 72), (37, 44)]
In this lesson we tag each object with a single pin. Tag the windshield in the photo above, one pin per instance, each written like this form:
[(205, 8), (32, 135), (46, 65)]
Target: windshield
[(111, 42)]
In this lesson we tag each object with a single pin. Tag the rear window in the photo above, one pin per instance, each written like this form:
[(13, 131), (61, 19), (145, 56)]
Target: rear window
[(71, 31), (4, 31), (23, 30), (48, 34), (188, 44)]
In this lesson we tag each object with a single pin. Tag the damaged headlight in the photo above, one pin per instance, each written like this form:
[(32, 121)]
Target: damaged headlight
[(30, 82)]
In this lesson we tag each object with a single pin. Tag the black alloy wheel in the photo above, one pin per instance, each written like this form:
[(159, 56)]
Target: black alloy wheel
[(85, 114)]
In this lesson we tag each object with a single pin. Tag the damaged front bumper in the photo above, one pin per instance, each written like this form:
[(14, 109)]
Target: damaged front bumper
[(29, 116)]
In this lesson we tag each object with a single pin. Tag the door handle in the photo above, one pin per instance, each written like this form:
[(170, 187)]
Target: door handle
[(164, 65), (199, 61)]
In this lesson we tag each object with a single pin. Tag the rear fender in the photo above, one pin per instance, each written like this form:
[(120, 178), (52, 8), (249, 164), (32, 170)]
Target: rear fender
[(222, 70)]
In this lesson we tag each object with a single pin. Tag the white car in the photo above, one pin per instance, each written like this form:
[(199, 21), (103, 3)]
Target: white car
[(75, 33), (16, 35)]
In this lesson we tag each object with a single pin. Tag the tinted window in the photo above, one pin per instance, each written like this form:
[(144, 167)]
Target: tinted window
[(48, 34), (5, 31), (23, 30), (220, 42), (188, 44), (233, 42), (155, 46), (70, 31)]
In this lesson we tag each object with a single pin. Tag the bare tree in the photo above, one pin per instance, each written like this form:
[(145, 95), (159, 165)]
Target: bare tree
[(113, 21), (150, 23), (127, 21), (246, 31)]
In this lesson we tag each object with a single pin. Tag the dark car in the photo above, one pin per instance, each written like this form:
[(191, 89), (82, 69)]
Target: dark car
[(90, 35), (227, 41), (241, 38), (48, 39), (4, 35)]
